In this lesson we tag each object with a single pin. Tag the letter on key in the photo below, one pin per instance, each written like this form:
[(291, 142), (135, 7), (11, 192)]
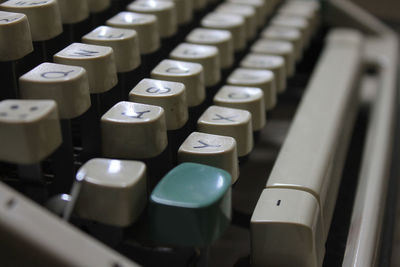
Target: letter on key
[(286, 229), (214, 150), (170, 96), (191, 205), (113, 191), (67, 85), (190, 74), (30, 130), (133, 131), (97, 60), (230, 122)]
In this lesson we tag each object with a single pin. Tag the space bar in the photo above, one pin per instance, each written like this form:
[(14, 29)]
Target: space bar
[(309, 160)]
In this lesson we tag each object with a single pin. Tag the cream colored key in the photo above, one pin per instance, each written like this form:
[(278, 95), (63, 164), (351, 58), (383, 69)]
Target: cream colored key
[(230, 122), (248, 13), (278, 48), (73, 11), (184, 10), (124, 43), (206, 55), (233, 23), (133, 131), (302, 9), (145, 25), (287, 230), (260, 7), (293, 21), (199, 4), (190, 74), (96, 6), (165, 12), (283, 33), (15, 35), (44, 16), (263, 79), (113, 191), (97, 60), (30, 130), (219, 38), (210, 149), (67, 85), (276, 64), (247, 98), (171, 96)]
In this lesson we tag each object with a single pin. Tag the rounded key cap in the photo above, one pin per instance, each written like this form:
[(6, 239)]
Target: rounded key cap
[(97, 6), (206, 55), (276, 64), (145, 25), (214, 150), (133, 131), (113, 191), (230, 122), (191, 205), (219, 38), (296, 22), (247, 98), (97, 60), (263, 79), (190, 74), (302, 10), (171, 96), (124, 43), (248, 13), (30, 130), (289, 34), (164, 11), (73, 11), (184, 10), (278, 48), (233, 23), (15, 36), (67, 85), (260, 7), (44, 16)]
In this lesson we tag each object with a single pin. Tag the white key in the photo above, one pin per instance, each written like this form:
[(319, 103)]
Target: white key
[(296, 22), (286, 229), (210, 149), (165, 12), (97, 6), (15, 35), (44, 16), (145, 25), (113, 191), (205, 55), (260, 7), (230, 122), (133, 131), (248, 13), (190, 74), (171, 96), (97, 60), (67, 85), (283, 33), (30, 130), (278, 48), (302, 10), (73, 11), (247, 98), (219, 38), (233, 23), (276, 64), (263, 79), (184, 10), (124, 42)]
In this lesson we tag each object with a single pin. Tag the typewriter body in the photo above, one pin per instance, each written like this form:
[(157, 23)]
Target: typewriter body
[(311, 183)]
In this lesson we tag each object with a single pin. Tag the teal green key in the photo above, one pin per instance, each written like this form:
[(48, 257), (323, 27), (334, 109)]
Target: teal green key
[(191, 205)]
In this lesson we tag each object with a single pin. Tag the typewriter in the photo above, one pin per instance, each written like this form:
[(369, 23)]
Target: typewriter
[(196, 133)]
